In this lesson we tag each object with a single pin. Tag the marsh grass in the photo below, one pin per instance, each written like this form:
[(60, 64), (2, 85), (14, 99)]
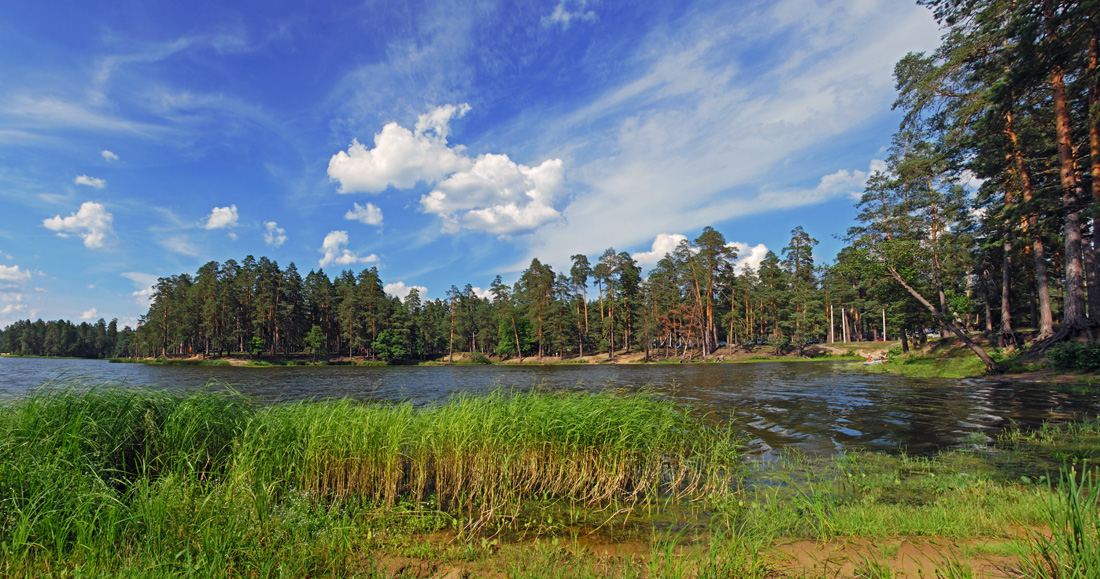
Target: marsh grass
[(485, 455), (955, 495), (1072, 549), (118, 481)]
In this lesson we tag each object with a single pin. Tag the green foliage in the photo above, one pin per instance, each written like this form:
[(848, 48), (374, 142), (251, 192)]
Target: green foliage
[(256, 345), (390, 347), (479, 358), (315, 341), (1080, 356)]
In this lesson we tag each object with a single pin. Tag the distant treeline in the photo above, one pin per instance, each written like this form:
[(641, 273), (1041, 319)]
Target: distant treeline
[(101, 339), (693, 302)]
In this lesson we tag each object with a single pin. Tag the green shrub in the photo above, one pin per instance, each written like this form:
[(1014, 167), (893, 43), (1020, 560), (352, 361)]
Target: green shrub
[(479, 358), (1083, 356)]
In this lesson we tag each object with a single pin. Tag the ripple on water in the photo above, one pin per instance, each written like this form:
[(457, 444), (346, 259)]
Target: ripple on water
[(814, 407)]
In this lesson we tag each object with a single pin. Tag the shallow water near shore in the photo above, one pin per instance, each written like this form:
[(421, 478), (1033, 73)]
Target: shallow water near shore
[(818, 408)]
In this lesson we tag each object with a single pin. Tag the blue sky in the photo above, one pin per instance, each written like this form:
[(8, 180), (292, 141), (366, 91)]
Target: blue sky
[(443, 142)]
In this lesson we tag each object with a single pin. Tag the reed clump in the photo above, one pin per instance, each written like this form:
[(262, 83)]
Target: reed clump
[(490, 453), (109, 479)]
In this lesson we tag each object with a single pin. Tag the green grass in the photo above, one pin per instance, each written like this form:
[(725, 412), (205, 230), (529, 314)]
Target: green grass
[(169, 362), (118, 481), (956, 495), (956, 365)]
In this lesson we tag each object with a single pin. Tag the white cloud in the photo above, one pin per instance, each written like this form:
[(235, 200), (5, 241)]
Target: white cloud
[(273, 234), (748, 255), (400, 157), (89, 315), (12, 308), (143, 284), (563, 16), (497, 195), (182, 245), (485, 294), (662, 245), (335, 252), (401, 291), (221, 218), (92, 222), (90, 181), (108, 156), (233, 236), (368, 214), (13, 274), (692, 139)]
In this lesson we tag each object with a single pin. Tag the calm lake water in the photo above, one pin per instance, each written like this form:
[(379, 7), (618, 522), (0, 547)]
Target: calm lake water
[(819, 408)]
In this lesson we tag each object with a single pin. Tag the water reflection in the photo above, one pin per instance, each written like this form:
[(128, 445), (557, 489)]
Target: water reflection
[(813, 407)]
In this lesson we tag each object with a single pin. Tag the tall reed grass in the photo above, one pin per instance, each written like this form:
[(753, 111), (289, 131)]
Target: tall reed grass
[(490, 453), (1072, 549), (114, 480)]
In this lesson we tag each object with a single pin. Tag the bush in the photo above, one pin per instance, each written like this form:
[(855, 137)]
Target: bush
[(479, 358), (1083, 356)]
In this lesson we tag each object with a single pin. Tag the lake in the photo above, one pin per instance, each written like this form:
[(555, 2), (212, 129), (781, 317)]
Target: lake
[(815, 407)]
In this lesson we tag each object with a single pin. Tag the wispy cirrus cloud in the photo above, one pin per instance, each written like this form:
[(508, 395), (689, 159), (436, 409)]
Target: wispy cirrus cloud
[(694, 138), (93, 182)]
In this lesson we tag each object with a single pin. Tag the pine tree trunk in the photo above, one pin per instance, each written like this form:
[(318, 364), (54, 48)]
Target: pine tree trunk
[(1007, 338), (1073, 316), (985, 300), (1094, 154)]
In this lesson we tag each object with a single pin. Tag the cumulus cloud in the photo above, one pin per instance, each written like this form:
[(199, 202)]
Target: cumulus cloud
[(108, 156), (568, 12), (93, 182), (662, 245), (368, 214), (89, 314), (13, 274), (143, 284), (401, 291), (401, 157), (497, 195), (273, 234), (221, 218), (92, 222), (485, 294), (747, 255), (489, 193), (335, 252)]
